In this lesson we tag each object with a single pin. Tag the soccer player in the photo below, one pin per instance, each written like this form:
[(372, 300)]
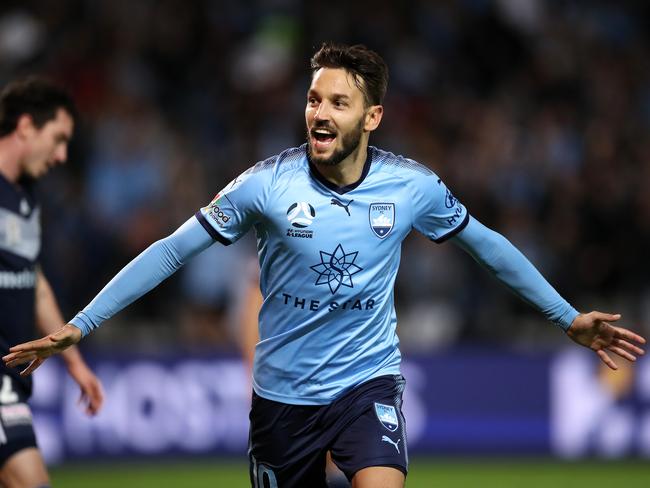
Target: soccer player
[(36, 124), (330, 216)]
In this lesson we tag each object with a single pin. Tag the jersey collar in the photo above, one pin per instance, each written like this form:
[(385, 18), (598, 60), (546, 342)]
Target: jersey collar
[(340, 189)]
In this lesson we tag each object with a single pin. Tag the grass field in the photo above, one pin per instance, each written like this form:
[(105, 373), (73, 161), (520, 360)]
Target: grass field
[(423, 474)]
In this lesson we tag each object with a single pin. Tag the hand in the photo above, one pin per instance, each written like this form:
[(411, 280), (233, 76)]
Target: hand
[(594, 331), (35, 352), (92, 393)]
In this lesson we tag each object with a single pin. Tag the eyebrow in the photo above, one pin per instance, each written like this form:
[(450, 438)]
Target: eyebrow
[(342, 96)]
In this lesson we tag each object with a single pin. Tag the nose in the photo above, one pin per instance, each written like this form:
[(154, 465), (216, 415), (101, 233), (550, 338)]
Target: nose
[(322, 112), (61, 154)]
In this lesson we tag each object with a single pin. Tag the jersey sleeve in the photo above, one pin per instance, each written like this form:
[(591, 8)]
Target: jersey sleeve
[(436, 212), (237, 207), (511, 267)]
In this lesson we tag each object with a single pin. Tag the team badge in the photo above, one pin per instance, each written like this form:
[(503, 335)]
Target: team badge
[(387, 415), (382, 218)]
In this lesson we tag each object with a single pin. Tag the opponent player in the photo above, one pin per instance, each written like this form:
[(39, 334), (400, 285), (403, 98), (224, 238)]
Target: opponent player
[(330, 216), (36, 123)]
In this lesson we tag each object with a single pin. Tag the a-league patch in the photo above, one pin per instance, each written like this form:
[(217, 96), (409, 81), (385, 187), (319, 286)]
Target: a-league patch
[(382, 218), (387, 415)]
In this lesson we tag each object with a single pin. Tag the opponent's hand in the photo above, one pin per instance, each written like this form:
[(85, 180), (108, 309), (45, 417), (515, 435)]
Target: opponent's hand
[(593, 330), (92, 393), (35, 352)]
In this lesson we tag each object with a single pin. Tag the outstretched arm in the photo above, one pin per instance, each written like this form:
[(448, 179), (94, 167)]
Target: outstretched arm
[(511, 267), (146, 271)]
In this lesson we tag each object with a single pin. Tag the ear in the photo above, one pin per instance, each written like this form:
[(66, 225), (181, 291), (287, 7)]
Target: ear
[(25, 126), (373, 117)]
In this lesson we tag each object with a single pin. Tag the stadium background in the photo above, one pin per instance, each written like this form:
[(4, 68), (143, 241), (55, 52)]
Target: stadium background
[(534, 112)]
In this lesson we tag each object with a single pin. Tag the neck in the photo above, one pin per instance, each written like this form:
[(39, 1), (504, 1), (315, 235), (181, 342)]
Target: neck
[(9, 158), (349, 170)]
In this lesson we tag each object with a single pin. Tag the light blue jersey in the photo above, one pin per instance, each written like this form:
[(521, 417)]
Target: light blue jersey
[(329, 257)]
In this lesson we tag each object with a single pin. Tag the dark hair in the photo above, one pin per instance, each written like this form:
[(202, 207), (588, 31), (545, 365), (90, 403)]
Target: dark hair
[(33, 96), (365, 65)]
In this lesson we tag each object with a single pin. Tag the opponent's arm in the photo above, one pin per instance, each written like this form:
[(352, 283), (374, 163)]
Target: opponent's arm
[(146, 271), (48, 320), (511, 267)]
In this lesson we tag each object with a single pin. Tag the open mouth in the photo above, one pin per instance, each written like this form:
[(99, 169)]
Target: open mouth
[(323, 137)]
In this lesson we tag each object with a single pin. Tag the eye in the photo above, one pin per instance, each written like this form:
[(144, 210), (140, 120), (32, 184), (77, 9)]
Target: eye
[(312, 101)]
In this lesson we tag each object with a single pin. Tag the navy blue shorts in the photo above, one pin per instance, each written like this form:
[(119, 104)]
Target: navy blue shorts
[(16, 430), (364, 427)]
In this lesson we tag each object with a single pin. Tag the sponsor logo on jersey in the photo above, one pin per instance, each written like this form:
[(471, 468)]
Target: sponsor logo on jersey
[(382, 218), (313, 305), (344, 206), (16, 414), (17, 280), (387, 415), (450, 200), (336, 268), (216, 212)]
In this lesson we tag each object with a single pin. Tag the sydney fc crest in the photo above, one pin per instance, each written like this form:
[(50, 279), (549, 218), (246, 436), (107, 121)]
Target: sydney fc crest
[(387, 415), (382, 218)]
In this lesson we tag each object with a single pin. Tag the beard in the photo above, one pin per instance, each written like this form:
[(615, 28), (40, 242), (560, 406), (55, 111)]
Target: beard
[(349, 144)]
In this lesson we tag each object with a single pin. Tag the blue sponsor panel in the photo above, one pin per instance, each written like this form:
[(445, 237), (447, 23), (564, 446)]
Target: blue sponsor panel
[(477, 402), (460, 402), (154, 407), (599, 412)]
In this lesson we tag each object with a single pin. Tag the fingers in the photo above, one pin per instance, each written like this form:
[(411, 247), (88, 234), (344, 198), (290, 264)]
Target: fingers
[(32, 366), (17, 358), (629, 335), (628, 347), (92, 393), (90, 408), (606, 359), (97, 399), (605, 317), (622, 352), (94, 398)]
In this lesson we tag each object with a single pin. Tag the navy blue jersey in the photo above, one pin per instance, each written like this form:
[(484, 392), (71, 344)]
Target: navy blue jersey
[(20, 245)]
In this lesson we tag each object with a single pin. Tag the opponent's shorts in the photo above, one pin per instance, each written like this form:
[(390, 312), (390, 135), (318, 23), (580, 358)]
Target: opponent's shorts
[(16, 429), (363, 428)]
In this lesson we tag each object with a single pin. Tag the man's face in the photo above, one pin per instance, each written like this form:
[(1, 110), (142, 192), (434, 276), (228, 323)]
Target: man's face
[(335, 116), (48, 146)]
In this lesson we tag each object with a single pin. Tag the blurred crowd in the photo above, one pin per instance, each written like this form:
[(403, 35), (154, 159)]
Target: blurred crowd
[(534, 112)]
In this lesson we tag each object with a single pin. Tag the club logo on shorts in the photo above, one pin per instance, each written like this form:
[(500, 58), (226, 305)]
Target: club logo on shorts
[(387, 415), (301, 214), (382, 218)]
